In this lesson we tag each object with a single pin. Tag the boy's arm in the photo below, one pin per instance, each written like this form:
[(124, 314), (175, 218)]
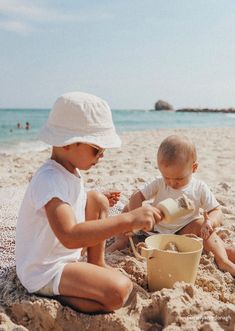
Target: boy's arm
[(136, 200), (62, 221)]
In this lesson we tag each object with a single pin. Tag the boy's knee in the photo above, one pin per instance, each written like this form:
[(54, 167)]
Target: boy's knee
[(99, 199), (119, 294)]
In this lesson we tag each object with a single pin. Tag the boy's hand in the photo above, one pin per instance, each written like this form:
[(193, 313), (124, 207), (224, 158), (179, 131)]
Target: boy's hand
[(207, 228), (144, 218), (113, 197)]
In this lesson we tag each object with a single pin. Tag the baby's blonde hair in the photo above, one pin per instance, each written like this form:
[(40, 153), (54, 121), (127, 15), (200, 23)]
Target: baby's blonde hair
[(176, 149)]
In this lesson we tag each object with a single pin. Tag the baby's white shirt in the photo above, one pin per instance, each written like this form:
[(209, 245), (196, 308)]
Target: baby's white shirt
[(38, 251), (196, 190)]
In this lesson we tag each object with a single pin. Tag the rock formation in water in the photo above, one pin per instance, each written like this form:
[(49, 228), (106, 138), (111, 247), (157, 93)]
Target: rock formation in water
[(162, 105), (207, 110)]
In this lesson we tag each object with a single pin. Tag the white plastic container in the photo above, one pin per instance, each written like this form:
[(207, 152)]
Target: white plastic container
[(173, 209)]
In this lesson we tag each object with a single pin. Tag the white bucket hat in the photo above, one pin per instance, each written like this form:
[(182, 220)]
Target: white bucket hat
[(80, 117)]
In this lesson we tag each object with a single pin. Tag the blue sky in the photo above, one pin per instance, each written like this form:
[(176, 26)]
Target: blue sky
[(130, 52)]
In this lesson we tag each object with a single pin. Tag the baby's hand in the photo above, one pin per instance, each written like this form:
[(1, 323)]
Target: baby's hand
[(206, 229), (113, 197)]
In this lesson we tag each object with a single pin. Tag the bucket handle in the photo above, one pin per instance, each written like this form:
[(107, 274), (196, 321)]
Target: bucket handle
[(147, 251), (136, 249)]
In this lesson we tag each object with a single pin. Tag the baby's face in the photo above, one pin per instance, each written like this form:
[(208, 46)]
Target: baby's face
[(177, 175)]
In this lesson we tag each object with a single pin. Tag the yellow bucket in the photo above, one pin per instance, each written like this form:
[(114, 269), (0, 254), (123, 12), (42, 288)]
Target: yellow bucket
[(165, 267)]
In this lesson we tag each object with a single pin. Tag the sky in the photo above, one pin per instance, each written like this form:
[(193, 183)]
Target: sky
[(129, 52)]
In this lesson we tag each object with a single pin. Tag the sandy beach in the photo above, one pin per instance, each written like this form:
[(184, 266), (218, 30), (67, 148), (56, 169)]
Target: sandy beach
[(207, 305)]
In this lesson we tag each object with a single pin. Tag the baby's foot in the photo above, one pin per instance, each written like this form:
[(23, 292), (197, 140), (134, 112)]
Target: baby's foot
[(231, 253), (119, 244)]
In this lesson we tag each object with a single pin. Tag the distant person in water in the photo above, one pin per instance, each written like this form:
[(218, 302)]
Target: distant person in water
[(27, 126), (19, 126)]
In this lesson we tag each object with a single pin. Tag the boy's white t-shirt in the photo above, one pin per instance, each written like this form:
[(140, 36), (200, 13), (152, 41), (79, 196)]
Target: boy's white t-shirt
[(196, 190), (38, 251)]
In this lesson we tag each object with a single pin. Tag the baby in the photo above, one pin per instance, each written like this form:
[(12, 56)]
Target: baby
[(177, 162)]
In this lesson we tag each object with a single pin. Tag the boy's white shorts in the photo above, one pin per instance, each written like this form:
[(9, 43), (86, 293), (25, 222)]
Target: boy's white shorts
[(52, 288)]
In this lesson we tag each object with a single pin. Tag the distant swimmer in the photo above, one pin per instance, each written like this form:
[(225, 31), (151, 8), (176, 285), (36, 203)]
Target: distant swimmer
[(27, 126), (19, 126)]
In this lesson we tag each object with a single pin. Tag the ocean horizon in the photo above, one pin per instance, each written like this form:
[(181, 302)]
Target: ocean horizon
[(19, 140)]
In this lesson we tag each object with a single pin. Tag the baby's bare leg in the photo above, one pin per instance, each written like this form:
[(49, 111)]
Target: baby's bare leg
[(216, 245), (193, 227), (91, 288), (96, 208), (213, 244), (231, 253), (120, 243)]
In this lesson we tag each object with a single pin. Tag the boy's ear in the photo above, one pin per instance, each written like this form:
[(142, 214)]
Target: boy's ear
[(195, 166)]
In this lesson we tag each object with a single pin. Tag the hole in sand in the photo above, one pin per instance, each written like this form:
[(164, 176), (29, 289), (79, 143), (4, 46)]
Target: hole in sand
[(151, 319)]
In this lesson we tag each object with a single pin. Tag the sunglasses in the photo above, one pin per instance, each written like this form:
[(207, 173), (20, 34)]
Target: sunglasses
[(99, 150)]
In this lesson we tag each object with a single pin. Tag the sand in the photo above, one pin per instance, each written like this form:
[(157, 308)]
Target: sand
[(207, 305)]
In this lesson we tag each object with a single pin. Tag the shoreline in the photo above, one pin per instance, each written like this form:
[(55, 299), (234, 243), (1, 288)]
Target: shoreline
[(14, 140), (207, 305)]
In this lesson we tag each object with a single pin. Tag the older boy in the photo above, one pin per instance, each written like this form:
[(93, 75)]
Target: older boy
[(51, 228), (177, 161)]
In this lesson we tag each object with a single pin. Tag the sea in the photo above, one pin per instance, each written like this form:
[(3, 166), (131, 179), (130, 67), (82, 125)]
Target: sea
[(19, 140)]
